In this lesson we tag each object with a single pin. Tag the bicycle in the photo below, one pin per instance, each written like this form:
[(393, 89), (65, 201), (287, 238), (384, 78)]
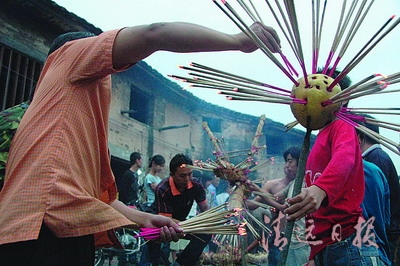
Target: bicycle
[(130, 243)]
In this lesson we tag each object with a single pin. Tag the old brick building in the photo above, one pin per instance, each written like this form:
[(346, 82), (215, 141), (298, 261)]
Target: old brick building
[(149, 113)]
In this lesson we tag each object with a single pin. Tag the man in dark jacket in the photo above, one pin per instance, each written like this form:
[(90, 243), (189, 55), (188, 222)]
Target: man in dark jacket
[(372, 152)]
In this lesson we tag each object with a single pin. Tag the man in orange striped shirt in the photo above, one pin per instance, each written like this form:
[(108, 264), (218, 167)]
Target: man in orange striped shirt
[(59, 189)]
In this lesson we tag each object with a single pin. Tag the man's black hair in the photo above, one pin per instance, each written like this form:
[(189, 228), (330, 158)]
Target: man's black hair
[(370, 126), (135, 156), (294, 152), (178, 160), (60, 41), (66, 37), (157, 159), (344, 83)]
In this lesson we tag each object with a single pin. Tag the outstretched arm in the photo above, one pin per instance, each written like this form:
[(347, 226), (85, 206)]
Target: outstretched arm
[(136, 43)]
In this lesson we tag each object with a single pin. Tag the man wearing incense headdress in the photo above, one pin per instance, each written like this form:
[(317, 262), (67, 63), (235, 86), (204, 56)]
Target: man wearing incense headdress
[(332, 198), (372, 152), (175, 197)]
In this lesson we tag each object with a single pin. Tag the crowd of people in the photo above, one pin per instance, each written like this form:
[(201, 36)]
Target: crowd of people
[(182, 196), (60, 192)]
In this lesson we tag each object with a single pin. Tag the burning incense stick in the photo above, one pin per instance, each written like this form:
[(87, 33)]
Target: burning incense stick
[(262, 164), (246, 92), (352, 87), (267, 195), (213, 221), (362, 118), (366, 89), (264, 205), (234, 86)]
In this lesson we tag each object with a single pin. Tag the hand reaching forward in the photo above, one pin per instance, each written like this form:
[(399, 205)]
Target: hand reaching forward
[(266, 34), (308, 201), (169, 230)]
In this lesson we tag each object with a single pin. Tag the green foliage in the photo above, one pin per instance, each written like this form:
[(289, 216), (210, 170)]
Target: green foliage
[(9, 122)]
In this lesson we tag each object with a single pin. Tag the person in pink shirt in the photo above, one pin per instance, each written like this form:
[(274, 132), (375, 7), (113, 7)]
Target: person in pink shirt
[(332, 198)]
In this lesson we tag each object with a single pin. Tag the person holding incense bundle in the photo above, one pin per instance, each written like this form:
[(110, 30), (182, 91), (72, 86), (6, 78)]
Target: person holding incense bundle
[(175, 197), (332, 198), (281, 188), (59, 189)]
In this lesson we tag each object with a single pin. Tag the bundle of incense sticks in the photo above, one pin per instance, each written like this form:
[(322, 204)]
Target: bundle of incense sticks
[(229, 171), (245, 218), (222, 166), (236, 202), (217, 220)]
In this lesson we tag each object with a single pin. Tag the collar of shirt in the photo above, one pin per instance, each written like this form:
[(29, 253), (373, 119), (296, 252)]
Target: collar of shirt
[(174, 189), (373, 147)]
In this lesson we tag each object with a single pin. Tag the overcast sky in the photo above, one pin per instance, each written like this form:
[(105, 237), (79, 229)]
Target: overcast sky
[(382, 59)]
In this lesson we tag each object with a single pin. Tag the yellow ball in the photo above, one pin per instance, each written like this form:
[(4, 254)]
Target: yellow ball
[(313, 114)]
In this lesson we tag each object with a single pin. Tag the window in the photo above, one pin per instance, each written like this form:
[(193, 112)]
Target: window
[(140, 106), (18, 77)]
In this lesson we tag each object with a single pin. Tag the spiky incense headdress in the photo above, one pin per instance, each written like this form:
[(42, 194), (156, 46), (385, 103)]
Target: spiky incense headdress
[(315, 99)]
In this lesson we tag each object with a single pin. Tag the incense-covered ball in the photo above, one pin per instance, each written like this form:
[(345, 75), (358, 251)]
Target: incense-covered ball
[(316, 113)]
